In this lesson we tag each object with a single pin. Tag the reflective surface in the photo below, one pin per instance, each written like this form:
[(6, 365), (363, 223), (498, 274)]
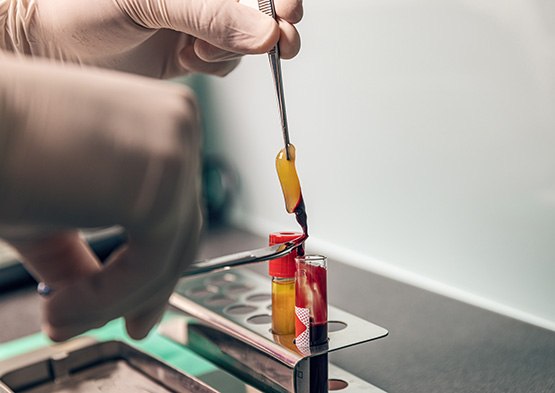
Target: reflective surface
[(243, 342), (84, 365)]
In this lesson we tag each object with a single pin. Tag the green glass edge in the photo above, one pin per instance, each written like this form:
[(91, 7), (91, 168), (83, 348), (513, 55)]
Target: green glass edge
[(174, 354)]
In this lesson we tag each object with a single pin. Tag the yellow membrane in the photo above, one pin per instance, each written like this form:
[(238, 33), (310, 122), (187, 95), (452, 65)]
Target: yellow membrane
[(288, 178)]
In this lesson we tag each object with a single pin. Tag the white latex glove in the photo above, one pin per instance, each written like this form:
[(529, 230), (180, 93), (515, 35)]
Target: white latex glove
[(157, 38), (127, 153)]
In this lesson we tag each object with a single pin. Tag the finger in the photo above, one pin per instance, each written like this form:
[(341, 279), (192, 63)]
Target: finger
[(289, 40), (289, 44), (147, 314), (190, 61), (58, 258), (63, 333), (140, 320), (130, 278), (210, 53), (290, 10), (138, 325), (224, 23)]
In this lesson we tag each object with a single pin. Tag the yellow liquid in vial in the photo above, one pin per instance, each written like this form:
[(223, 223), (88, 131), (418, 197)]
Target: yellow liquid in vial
[(283, 307)]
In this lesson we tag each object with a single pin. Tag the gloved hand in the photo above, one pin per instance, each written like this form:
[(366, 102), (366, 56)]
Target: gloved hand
[(157, 38), (127, 153)]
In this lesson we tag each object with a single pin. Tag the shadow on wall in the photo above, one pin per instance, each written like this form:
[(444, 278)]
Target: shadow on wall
[(220, 181)]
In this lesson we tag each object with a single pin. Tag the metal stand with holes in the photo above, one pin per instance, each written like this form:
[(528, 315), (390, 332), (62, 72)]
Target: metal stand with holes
[(227, 319)]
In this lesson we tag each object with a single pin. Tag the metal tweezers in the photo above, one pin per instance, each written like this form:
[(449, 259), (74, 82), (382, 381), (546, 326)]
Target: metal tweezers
[(106, 241), (243, 258), (267, 7)]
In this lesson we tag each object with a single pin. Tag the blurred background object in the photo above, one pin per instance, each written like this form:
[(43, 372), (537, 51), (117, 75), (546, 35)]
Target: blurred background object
[(219, 179)]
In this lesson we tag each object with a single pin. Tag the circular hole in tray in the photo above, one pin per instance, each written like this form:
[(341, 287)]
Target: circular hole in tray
[(202, 291), (218, 301), (222, 279), (335, 326), (240, 309), (337, 384), (235, 289), (260, 319), (259, 297)]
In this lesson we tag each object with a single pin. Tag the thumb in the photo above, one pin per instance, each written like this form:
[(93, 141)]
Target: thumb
[(223, 23)]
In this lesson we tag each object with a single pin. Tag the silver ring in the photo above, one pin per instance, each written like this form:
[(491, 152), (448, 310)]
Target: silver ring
[(43, 289)]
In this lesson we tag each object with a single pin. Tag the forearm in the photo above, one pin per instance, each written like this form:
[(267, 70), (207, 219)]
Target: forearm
[(34, 117), (9, 119), (76, 137)]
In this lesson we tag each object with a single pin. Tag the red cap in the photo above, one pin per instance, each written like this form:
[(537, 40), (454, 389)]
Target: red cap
[(283, 267)]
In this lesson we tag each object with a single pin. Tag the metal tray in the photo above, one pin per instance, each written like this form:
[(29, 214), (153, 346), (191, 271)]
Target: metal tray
[(85, 365)]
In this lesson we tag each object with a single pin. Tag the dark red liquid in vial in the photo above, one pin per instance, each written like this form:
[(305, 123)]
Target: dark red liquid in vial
[(318, 333), (312, 293), (318, 364), (318, 367)]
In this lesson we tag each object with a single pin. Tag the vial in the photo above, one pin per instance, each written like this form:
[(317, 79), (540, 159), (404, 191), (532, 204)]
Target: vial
[(311, 309), (282, 271)]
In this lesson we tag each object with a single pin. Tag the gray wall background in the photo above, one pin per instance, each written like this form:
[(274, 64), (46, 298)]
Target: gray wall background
[(425, 135)]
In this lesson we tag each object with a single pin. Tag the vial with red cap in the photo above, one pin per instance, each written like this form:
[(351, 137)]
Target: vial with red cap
[(282, 271)]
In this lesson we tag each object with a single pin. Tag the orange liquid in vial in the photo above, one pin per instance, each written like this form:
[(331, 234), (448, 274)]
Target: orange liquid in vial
[(291, 186), (283, 307)]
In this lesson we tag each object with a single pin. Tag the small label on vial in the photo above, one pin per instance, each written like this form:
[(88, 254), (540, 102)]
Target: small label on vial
[(302, 329)]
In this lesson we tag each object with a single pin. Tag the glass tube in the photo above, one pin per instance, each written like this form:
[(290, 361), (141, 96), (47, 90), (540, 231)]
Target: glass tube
[(282, 271), (311, 310), (311, 300)]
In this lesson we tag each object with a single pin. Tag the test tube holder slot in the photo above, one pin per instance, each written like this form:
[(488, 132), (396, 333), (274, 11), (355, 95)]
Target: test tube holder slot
[(226, 318)]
